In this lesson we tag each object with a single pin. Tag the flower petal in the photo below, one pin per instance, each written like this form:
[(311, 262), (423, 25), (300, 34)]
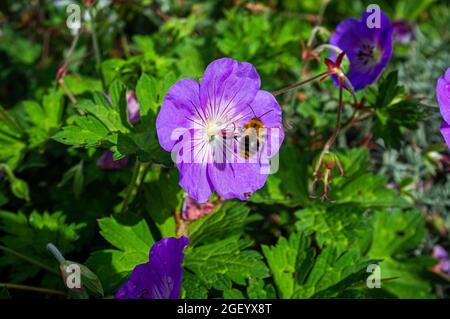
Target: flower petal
[(107, 162), (180, 107), (351, 35), (445, 131), (195, 180), (228, 84), (267, 108), (161, 277), (443, 95), (237, 180)]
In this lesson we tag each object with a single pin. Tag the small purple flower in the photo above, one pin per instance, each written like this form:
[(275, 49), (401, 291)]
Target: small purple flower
[(404, 31), (193, 210), (161, 277), (368, 49), (442, 256), (133, 108), (106, 161), (206, 126)]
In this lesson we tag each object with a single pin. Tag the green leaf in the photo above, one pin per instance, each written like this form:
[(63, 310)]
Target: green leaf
[(289, 261), (162, 197), (80, 84), (193, 287), (342, 226), (394, 234), (297, 274), (256, 289), (361, 187), (30, 235), (118, 93), (334, 272), (288, 186), (132, 237), (78, 136), (146, 92), (133, 240), (387, 90), (75, 173), (223, 262), (233, 293), (108, 116), (226, 221)]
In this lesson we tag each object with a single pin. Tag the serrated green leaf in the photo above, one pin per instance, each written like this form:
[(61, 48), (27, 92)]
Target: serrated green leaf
[(146, 92), (289, 185), (224, 262), (226, 221), (30, 235), (133, 239), (342, 226), (334, 272), (127, 235), (289, 261), (387, 90)]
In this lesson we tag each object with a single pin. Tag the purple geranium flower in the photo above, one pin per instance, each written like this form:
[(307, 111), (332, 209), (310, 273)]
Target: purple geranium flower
[(193, 210), (368, 49), (404, 31), (161, 277), (106, 161), (443, 97), (207, 128)]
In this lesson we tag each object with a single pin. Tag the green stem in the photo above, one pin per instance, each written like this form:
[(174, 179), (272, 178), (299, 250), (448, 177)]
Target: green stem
[(29, 259), (31, 288), (98, 57), (333, 136), (67, 91), (137, 165), (295, 85)]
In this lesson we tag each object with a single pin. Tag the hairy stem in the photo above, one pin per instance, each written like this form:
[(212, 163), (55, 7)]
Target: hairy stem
[(29, 259), (67, 91), (333, 136), (295, 85), (134, 178)]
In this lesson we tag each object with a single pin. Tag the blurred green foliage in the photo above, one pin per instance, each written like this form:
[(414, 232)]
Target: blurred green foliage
[(391, 206)]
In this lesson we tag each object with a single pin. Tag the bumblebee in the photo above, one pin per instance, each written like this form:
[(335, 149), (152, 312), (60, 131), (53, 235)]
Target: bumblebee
[(252, 138)]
